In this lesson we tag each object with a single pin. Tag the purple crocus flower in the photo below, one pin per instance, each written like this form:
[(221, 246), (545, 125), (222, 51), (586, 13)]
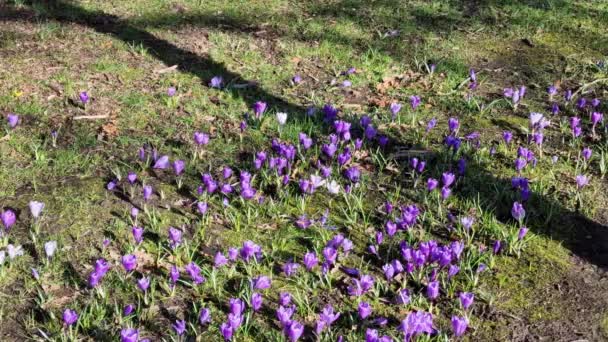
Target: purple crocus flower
[(352, 174), (416, 323), (84, 97), (226, 331), (367, 282), (342, 129), (294, 331), (12, 120), (364, 310), (432, 290), (233, 253), (226, 172), (161, 163), (328, 316), (129, 335), (179, 326), (284, 299), (520, 163), (290, 268), (235, 321), (201, 138), (395, 108), (448, 179), (467, 222), (132, 177), (143, 283), (194, 271), (496, 246), (69, 317), (383, 141), (330, 113), (537, 138), (128, 310), (259, 108), (459, 325), (389, 271), (310, 260), (249, 250), (129, 262), (517, 211), (587, 153), (453, 125), (330, 254), (101, 267), (581, 181), (329, 149), (431, 124), (472, 75), (284, 314), (202, 207), (466, 299), (178, 166), (554, 108), (596, 117), (305, 141), (507, 137), (237, 306), (445, 193), (581, 103), (431, 184), (261, 283), (370, 132), (414, 101), (174, 274), (175, 237), (147, 192), (522, 233), (138, 234), (216, 82), (453, 270), (8, 218), (296, 79), (49, 248), (365, 121), (248, 193), (171, 91), (256, 301), (453, 142), (204, 317)]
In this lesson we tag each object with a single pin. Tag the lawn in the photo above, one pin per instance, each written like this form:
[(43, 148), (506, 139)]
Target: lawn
[(281, 170)]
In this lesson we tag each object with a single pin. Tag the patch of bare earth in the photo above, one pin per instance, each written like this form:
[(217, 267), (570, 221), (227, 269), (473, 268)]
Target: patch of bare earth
[(582, 298)]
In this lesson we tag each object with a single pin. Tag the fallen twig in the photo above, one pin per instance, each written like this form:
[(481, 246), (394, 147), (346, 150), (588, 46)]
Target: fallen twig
[(91, 117), (587, 85), (166, 70)]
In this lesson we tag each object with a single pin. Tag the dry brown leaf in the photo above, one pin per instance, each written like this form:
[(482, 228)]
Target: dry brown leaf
[(109, 130)]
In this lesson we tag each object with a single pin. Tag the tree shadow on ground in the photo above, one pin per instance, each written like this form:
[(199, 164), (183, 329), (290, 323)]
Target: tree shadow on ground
[(189, 62), (583, 236)]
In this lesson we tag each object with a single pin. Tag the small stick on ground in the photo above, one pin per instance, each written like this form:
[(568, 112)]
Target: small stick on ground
[(91, 117), (166, 70)]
